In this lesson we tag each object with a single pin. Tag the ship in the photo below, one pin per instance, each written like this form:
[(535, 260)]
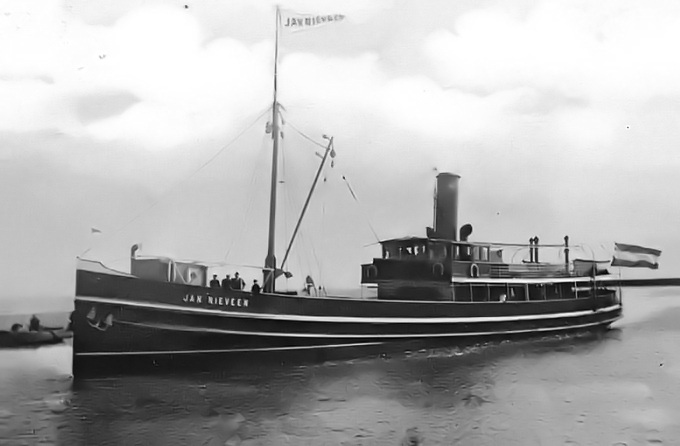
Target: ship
[(442, 287)]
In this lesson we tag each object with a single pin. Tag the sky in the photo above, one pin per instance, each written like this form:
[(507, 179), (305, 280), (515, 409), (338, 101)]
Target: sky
[(146, 120)]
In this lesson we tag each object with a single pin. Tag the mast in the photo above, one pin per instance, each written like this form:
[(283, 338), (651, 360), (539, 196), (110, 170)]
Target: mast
[(270, 261)]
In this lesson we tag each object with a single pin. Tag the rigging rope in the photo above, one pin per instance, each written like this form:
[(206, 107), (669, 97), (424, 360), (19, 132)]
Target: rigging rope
[(351, 191), (284, 180), (247, 215), (305, 136), (172, 188), (304, 241), (349, 187)]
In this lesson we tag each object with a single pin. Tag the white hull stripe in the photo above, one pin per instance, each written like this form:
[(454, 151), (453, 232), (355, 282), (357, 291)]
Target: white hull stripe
[(186, 328), (308, 347), (581, 280), (344, 319)]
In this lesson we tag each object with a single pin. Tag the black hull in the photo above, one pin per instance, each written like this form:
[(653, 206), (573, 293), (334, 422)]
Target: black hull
[(121, 316), (220, 362), (150, 331)]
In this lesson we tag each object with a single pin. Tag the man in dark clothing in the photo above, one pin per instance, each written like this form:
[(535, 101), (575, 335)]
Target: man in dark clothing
[(214, 283), (226, 282), (34, 324), (255, 289), (237, 283)]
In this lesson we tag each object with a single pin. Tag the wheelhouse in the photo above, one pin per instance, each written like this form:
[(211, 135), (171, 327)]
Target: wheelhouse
[(420, 268)]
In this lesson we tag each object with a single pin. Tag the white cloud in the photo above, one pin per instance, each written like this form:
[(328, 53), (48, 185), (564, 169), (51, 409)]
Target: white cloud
[(356, 92), (186, 88), (579, 48), (586, 70)]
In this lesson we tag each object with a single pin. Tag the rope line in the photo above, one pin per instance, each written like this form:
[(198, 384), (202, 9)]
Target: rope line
[(172, 188), (354, 195), (299, 132), (247, 215)]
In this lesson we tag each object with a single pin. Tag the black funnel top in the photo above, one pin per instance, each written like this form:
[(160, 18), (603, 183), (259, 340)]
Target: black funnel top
[(446, 207)]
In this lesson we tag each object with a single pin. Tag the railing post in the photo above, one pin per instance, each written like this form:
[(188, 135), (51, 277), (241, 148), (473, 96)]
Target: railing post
[(536, 248), (566, 254)]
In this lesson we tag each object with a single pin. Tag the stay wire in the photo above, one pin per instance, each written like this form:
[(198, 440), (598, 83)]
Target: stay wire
[(247, 215), (308, 138), (185, 179), (354, 195)]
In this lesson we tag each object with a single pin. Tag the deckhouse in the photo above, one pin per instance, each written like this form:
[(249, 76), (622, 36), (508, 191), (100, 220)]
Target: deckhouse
[(446, 266)]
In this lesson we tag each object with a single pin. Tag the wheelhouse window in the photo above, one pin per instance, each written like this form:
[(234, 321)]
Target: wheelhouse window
[(480, 253), (390, 251), (410, 250), (464, 252)]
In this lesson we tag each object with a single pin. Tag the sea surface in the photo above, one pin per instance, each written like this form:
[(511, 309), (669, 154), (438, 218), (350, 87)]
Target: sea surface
[(617, 388)]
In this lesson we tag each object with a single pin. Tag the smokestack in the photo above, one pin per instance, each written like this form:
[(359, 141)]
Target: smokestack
[(446, 207)]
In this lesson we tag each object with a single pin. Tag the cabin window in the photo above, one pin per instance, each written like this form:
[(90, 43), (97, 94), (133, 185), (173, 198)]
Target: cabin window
[(480, 293), (567, 291), (537, 292), (390, 251), (462, 293), (552, 291), (498, 293), (404, 252), (517, 293), (420, 251)]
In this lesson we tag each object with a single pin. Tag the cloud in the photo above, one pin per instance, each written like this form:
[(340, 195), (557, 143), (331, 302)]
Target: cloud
[(580, 72), (603, 52), (183, 86)]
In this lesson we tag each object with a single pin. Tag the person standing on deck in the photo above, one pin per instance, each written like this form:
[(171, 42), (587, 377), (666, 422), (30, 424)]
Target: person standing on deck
[(237, 283), (255, 289), (226, 282), (215, 282)]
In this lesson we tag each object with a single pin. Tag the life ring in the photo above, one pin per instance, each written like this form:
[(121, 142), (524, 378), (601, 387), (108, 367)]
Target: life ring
[(474, 270), (372, 272), (437, 270)]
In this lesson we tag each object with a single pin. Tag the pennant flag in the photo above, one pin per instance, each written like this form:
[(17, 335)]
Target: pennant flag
[(294, 21), (633, 256), (95, 231)]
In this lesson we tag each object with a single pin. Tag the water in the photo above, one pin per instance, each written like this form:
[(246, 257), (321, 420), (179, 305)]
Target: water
[(620, 388)]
